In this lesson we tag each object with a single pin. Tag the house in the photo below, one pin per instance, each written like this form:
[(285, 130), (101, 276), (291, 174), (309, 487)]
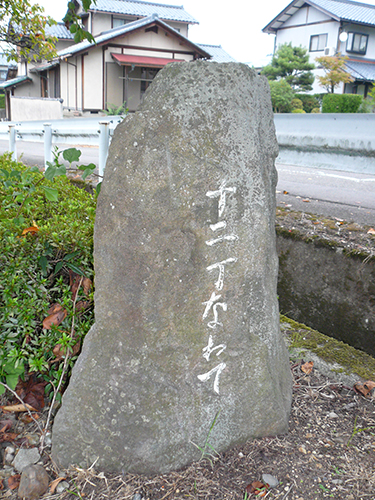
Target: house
[(328, 27), (133, 40)]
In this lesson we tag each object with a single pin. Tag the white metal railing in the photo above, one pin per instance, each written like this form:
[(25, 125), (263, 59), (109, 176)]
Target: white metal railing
[(93, 132)]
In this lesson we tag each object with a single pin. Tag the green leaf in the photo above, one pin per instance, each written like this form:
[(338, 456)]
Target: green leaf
[(4, 173), (50, 173), (98, 187), (2, 390), (34, 168), (73, 28), (71, 154), (51, 193), (71, 255), (12, 380), (43, 262), (18, 221), (75, 268), (58, 266), (16, 174)]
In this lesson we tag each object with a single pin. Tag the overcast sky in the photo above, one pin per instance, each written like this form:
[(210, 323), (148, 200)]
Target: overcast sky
[(237, 27)]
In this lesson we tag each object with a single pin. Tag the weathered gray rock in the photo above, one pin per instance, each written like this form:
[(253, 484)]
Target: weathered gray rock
[(34, 482), (187, 324), (25, 457)]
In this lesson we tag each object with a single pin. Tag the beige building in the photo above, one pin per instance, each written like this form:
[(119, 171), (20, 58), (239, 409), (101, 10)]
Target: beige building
[(134, 40)]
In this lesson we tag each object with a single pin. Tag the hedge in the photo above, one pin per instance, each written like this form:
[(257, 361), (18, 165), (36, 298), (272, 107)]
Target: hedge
[(341, 103)]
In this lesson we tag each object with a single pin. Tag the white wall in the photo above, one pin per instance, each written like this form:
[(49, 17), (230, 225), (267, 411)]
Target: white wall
[(33, 108)]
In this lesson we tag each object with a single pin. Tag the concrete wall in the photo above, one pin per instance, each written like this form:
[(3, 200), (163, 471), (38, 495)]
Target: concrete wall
[(331, 292), (329, 140), (35, 108)]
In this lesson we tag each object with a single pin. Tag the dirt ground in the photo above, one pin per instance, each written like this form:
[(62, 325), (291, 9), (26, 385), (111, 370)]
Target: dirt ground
[(329, 451)]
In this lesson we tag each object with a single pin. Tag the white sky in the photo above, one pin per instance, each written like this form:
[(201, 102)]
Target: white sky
[(237, 26)]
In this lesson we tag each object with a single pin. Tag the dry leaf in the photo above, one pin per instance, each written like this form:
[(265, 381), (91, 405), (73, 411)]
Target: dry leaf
[(31, 391), (285, 192), (17, 408), (86, 285), (82, 305), (31, 229), (306, 200), (75, 280), (14, 481), (371, 231), (55, 482), (59, 352), (5, 425), (55, 318), (8, 436), (307, 367), (258, 488), (364, 388)]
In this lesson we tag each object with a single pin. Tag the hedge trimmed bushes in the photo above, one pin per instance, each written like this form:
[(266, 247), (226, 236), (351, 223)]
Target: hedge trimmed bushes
[(341, 103)]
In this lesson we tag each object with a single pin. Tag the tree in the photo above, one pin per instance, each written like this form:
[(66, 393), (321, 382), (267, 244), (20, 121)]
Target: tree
[(24, 26), (281, 96), (334, 68), (291, 63)]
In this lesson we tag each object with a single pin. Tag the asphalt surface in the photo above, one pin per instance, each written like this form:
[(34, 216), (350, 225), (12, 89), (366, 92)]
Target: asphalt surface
[(345, 195), (342, 194)]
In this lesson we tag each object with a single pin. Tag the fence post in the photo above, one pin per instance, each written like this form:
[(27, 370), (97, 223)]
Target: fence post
[(47, 128), (12, 141), (103, 145)]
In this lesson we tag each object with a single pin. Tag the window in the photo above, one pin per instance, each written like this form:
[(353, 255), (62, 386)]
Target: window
[(318, 42), (147, 75), (120, 21), (357, 43)]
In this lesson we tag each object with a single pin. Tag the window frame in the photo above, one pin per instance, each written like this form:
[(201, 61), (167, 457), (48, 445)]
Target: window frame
[(319, 36), (351, 39)]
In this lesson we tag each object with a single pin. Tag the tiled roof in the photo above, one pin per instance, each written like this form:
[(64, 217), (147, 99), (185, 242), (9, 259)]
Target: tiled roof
[(347, 10), (361, 70), (144, 9), (341, 10), (217, 52), (15, 81), (120, 31), (60, 31)]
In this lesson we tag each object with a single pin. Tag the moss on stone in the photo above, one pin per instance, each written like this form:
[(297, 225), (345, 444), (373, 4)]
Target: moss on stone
[(351, 360)]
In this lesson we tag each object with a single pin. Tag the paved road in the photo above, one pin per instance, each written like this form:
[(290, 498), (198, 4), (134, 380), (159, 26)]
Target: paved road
[(342, 194)]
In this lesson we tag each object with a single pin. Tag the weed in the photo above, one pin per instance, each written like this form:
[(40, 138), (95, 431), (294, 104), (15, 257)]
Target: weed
[(357, 430), (204, 449)]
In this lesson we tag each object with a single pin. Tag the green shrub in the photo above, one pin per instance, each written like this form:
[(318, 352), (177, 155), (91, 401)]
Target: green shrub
[(296, 104), (367, 106), (41, 241), (315, 110), (309, 102), (281, 96), (298, 111), (2, 101), (341, 103)]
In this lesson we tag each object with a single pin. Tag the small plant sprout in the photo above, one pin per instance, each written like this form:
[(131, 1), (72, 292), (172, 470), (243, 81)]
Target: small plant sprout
[(209, 455)]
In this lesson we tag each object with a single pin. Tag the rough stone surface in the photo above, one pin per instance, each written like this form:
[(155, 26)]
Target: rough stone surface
[(170, 278), (34, 482), (25, 457)]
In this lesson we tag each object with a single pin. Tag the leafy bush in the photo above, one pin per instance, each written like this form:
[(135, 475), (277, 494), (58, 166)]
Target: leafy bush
[(298, 110), (44, 246), (341, 103), (309, 102), (2, 101), (114, 110), (315, 110), (281, 96), (296, 104), (367, 106)]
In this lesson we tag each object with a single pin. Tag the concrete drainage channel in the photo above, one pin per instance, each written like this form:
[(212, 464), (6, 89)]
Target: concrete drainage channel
[(327, 281)]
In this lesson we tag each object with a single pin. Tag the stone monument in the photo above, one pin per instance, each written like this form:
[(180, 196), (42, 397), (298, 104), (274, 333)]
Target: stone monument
[(186, 346)]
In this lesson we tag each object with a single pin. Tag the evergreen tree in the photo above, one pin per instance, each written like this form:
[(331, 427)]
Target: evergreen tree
[(292, 64)]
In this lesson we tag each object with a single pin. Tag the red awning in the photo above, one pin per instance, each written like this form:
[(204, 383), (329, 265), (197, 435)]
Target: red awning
[(145, 61)]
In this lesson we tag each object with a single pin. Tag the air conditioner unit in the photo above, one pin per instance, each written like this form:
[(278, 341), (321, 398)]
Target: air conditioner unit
[(329, 51)]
